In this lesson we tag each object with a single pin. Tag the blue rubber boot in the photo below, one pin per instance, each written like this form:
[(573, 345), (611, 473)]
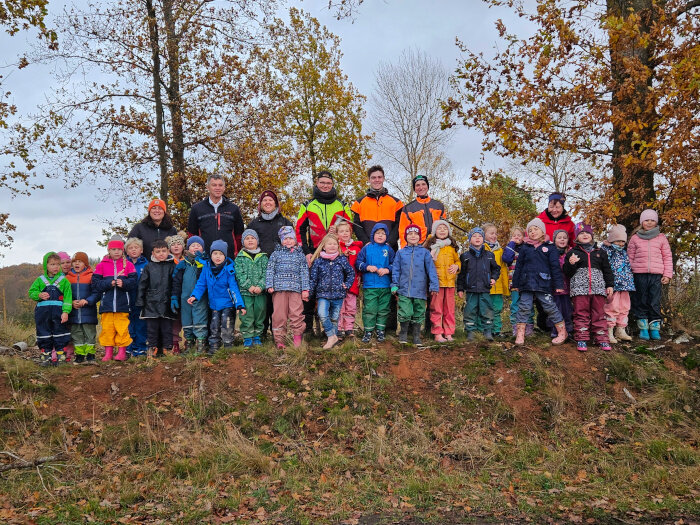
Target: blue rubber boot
[(257, 341), (643, 326), (247, 342), (654, 328)]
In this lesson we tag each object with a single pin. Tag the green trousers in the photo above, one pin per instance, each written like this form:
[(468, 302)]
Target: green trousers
[(83, 336), (375, 308), (253, 321), (478, 312), (411, 310)]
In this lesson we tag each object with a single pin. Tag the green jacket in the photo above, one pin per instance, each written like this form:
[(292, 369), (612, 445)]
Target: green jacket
[(61, 283), (250, 271)]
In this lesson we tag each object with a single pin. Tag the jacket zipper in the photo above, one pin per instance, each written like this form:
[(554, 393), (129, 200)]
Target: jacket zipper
[(410, 273), (114, 292)]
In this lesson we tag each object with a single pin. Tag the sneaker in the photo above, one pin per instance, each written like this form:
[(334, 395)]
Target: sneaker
[(440, 339), (581, 346), (605, 346), (79, 359), (247, 342), (350, 333), (449, 338), (257, 341), (90, 358), (367, 337), (381, 336)]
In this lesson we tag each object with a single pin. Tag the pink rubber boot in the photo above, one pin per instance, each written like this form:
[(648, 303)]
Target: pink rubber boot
[(109, 350), (121, 354)]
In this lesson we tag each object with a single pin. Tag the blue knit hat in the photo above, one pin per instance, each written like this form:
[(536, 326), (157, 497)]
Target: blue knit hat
[(478, 230), (286, 231), (250, 233), (219, 246), (193, 239)]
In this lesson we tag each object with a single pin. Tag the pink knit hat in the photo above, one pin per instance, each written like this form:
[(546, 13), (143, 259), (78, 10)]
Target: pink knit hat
[(649, 214), (64, 256), (617, 233)]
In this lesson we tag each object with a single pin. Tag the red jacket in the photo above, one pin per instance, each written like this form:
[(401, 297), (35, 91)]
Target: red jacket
[(351, 253), (562, 223)]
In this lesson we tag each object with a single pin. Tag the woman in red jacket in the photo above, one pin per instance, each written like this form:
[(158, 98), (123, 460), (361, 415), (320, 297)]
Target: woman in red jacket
[(555, 218)]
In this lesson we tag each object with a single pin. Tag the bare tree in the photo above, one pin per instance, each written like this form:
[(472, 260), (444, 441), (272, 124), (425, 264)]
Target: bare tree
[(406, 117)]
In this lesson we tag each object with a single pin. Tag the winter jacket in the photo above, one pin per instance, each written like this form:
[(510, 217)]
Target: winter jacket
[(650, 256), (591, 275), (81, 288), (414, 273), (478, 268), (222, 288), (139, 264), (331, 279), (567, 287), (287, 270), (621, 268), (379, 255), (538, 269), (185, 276), (155, 289), (501, 287), (447, 256), (58, 287), (148, 232), (563, 222), (423, 211), (267, 230), (224, 222), (317, 215), (351, 252), (251, 270), (114, 299), (510, 257), (377, 208)]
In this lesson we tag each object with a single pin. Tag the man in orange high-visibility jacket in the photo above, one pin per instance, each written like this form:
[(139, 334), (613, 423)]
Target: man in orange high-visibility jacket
[(423, 211), (377, 206)]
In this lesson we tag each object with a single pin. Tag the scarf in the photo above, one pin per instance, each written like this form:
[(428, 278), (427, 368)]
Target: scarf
[(493, 245), (535, 244), (435, 248), (269, 216), (252, 252), (618, 248), (476, 250), (588, 247), (329, 256), (648, 235), (325, 197), (216, 268), (376, 194), (561, 251)]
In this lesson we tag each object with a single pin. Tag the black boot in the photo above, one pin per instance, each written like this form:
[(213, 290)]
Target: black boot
[(403, 333), (416, 334)]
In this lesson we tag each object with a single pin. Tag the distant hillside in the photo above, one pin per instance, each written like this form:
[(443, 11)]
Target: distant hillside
[(15, 281)]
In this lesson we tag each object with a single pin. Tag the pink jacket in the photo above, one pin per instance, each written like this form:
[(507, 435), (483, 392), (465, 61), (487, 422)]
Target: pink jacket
[(652, 256)]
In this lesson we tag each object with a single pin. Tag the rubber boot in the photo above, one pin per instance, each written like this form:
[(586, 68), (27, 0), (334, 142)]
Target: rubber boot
[(45, 358), (416, 334), (297, 341), (520, 334), (70, 352), (176, 348), (654, 329), (403, 333), (561, 333), (109, 351), (488, 335), (621, 334), (611, 334), (121, 354), (54, 358), (643, 326), (201, 347)]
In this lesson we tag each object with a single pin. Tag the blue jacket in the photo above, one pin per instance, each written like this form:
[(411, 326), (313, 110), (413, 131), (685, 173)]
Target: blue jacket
[(222, 288), (622, 270), (414, 272), (537, 269), (331, 279), (287, 270), (185, 276), (81, 286), (477, 271), (139, 264), (379, 255)]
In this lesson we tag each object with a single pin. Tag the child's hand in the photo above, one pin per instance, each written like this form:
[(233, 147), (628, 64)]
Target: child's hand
[(609, 291), (305, 295), (665, 280), (64, 317), (120, 283), (513, 239), (574, 258), (242, 310), (252, 289), (44, 296), (270, 290), (308, 258), (453, 269), (516, 290), (191, 300), (434, 294), (76, 303), (559, 290), (258, 290), (114, 283), (371, 269), (461, 295), (394, 289), (381, 272), (493, 281)]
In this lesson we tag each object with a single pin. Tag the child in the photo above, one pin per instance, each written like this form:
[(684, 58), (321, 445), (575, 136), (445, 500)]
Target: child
[(510, 257), (218, 280), (287, 279), (478, 275), (331, 278), (194, 318), (176, 246), (537, 270), (501, 289), (251, 270), (137, 326), (618, 305), (652, 264), (154, 293), (562, 300), (351, 249), (83, 317), (444, 251), (52, 292), (591, 281), (413, 274), (375, 261), (114, 277), (66, 263)]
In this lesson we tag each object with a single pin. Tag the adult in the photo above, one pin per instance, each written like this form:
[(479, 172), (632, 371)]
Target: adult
[(422, 211), (216, 218), (316, 218), (377, 206), (157, 225), (555, 218)]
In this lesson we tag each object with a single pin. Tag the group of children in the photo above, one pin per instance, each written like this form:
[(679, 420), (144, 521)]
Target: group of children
[(582, 287)]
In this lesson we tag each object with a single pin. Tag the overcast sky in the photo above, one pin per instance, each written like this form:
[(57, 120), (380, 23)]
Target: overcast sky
[(72, 219)]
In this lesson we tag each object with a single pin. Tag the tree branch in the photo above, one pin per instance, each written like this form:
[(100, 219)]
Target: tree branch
[(687, 7), (23, 463)]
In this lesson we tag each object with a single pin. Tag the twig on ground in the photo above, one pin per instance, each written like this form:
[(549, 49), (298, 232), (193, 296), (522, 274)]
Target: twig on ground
[(154, 394), (23, 463)]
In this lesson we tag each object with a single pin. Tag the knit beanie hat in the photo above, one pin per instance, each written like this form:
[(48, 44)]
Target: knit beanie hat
[(411, 228), (438, 223), (557, 232), (250, 233), (583, 228), (82, 257), (195, 239), (219, 246), (537, 222), (617, 233), (557, 197), (272, 195), (115, 242), (286, 232), (647, 215), (175, 239), (478, 230), (64, 256), (417, 178), (157, 202), (326, 174)]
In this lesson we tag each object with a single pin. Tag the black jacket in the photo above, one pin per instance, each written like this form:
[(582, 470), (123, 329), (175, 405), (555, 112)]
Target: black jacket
[(268, 231), (148, 232), (225, 224), (477, 271), (155, 289), (591, 275)]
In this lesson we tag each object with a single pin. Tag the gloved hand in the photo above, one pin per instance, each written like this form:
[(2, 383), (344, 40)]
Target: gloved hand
[(174, 304), (394, 289)]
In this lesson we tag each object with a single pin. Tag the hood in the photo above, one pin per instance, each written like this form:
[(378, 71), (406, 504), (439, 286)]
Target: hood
[(379, 226), (45, 262), (86, 273)]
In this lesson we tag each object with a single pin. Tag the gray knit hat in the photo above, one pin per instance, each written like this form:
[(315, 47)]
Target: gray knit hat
[(539, 223), (438, 223), (250, 233), (617, 233)]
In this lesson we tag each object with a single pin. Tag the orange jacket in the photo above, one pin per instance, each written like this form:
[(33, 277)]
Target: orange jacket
[(423, 212), (373, 208)]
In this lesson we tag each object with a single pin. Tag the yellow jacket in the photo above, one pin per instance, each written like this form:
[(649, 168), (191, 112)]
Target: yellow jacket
[(447, 256), (501, 287)]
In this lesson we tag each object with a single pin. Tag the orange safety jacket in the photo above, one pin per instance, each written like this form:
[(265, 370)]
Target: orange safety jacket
[(423, 212)]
